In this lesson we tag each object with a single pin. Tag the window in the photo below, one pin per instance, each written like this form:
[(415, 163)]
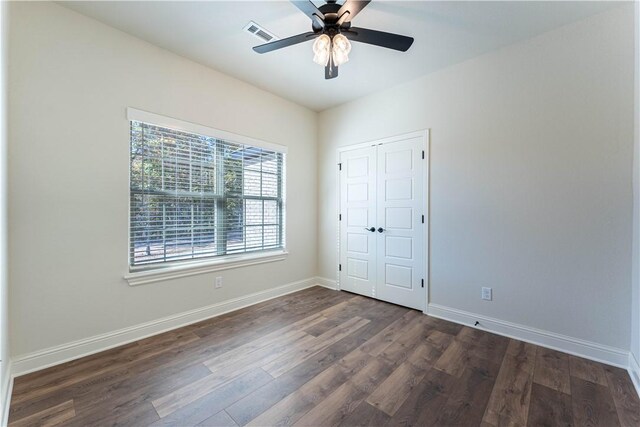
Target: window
[(196, 196)]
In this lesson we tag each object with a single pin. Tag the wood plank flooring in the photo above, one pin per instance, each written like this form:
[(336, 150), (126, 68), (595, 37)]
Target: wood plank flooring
[(325, 358)]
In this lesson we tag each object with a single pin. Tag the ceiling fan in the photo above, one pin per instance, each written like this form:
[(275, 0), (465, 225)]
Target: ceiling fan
[(332, 31)]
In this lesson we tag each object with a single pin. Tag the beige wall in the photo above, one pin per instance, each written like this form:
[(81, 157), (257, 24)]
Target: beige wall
[(71, 79), (531, 176), (4, 282), (635, 300), (531, 163)]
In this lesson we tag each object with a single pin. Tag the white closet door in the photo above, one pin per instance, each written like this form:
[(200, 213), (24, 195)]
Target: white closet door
[(358, 210), (400, 260)]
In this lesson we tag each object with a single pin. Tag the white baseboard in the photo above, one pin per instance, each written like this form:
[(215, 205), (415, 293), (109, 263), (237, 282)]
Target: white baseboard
[(5, 391), (74, 350), (588, 350), (326, 283), (634, 372), (63, 353)]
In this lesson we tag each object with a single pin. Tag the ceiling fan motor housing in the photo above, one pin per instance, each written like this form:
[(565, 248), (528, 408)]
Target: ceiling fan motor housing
[(331, 17)]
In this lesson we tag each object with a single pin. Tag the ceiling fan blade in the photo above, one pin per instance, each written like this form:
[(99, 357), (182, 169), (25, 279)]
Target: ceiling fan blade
[(310, 9), (379, 38), (350, 9), (289, 41), (330, 72)]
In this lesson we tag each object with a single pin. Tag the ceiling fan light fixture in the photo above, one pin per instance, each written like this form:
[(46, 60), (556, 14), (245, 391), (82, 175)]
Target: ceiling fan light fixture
[(340, 48), (322, 50), (331, 48)]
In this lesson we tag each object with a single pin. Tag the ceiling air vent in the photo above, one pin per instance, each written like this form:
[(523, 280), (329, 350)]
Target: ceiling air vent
[(258, 31)]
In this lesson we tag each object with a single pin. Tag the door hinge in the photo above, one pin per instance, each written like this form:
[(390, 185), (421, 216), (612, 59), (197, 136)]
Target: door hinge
[(423, 219), (423, 154), (339, 267), (340, 166), (340, 217), (422, 283)]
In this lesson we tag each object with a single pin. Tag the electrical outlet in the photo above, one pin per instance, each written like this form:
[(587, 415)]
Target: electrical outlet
[(487, 294), (218, 282)]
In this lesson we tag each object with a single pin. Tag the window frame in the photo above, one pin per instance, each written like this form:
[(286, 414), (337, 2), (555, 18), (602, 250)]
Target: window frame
[(180, 268)]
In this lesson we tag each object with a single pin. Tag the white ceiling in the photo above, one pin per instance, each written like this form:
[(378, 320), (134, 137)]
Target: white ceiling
[(445, 33)]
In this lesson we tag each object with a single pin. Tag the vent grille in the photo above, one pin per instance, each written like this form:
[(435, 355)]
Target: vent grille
[(263, 35), (260, 32)]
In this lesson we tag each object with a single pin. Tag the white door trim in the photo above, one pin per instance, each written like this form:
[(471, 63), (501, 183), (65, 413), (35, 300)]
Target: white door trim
[(426, 146)]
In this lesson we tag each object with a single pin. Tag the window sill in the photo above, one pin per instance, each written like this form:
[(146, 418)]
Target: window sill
[(191, 269)]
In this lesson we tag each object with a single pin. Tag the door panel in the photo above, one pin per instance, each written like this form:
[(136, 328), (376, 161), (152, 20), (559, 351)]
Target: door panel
[(398, 218), (358, 207), (398, 247), (382, 187), (399, 189), (400, 263)]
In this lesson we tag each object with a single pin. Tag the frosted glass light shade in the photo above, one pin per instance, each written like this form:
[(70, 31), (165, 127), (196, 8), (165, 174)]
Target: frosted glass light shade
[(340, 49), (322, 50)]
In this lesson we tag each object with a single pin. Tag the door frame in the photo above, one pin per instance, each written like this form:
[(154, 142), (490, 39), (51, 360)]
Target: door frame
[(425, 134)]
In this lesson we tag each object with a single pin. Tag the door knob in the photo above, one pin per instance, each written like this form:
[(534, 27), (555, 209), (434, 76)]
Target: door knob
[(380, 230), (372, 229)]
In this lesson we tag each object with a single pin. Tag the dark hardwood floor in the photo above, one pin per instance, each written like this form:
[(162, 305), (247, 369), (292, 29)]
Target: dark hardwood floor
[(320, 357)]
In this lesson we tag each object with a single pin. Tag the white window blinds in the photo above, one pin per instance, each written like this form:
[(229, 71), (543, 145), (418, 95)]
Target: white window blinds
[(195, 196)]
